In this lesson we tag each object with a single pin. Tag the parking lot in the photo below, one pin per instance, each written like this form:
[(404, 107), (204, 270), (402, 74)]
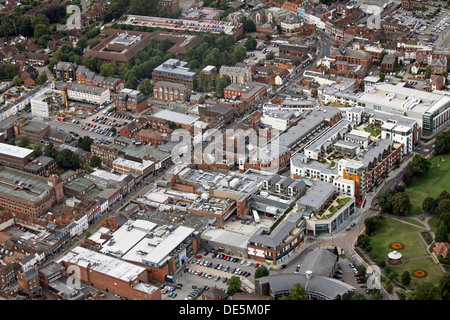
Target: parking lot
[(429, 31), (205, 272), (98, 125), (348, 273), (76, 130)]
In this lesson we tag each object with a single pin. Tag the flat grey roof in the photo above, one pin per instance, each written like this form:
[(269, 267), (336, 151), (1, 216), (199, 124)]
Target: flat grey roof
[(329, 288), (276, 237), (176, 117), (317, 195), (300, 131)]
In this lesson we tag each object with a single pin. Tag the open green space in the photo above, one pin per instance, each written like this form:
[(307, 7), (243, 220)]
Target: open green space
[(434, 272), (394, 231), (373, 131), (391, 231), (430, 185)]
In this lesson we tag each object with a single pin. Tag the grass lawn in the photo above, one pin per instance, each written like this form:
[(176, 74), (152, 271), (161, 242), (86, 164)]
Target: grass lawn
[(413, 221), (394, 231), (434, 272), (436, 180), (374, 132)]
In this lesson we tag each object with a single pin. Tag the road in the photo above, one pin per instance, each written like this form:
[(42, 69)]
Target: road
[(323, 50)]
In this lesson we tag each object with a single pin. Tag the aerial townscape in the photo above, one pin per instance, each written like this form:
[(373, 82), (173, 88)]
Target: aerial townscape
[(224, 150)]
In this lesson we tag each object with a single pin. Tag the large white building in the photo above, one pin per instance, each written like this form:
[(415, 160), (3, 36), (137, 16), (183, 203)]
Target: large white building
[(42, 103), (430, 109), (89, 94)]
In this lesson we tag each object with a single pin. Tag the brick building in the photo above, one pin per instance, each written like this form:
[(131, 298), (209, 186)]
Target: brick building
[(169, 91), (131, 100), (151, 136), (251, 92), (15, 192), (111, 275), (29, 283)]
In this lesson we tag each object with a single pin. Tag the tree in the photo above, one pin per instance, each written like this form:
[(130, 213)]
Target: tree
[(444, 195), (24, 26), (16, 81), (297, 292), (261, 271), (251, 43), (82, 43), (203, 82), (428, 72), (406, 278), (376, 295), (68, 159), (441, 233), (443, 207), (95, 162), (364, 241), (426, 291), (270, 56), (401, 204), (85, 143), (442, 143), (40, 30), (385, 200), (37, 148), (419, 165), (49, 150), (444, 286), (42, 78), (372, 224), (6, 27), (359, 296), (146, 87), (132, 82), (444, 218), (234, 285), (382, 76), (429, 205), (108, 69), (408, 177), (24, 142), (249, 25), (222, 83)]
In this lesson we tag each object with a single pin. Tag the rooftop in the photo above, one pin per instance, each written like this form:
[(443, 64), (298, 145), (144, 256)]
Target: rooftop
[(14, 151), (176, 117), (102, 263)]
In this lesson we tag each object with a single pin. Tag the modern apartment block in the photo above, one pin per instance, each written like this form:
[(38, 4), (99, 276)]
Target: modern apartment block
[(431, 110)]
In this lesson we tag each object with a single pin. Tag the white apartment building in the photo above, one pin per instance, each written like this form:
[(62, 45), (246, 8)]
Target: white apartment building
[(89, 94)]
